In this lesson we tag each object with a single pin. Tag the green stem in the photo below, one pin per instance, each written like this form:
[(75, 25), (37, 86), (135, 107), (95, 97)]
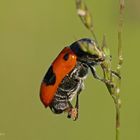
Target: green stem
[(120, 62), (117, 121), (94, 36), (113, 84)]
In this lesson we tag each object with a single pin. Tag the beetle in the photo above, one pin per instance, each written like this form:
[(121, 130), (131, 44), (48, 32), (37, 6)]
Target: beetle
[(64, 79)]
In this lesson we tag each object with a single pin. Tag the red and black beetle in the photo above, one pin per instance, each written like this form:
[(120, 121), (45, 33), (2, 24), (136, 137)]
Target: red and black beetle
[(66, 75)]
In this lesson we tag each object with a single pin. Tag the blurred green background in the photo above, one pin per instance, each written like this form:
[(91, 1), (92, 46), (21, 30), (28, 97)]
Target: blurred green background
[(32, 33)]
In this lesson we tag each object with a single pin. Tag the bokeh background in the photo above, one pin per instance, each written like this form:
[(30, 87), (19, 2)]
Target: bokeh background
[(32, 33)]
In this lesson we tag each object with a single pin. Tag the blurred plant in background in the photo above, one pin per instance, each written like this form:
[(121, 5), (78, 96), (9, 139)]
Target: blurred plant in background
[(112, 79), (135, 10)]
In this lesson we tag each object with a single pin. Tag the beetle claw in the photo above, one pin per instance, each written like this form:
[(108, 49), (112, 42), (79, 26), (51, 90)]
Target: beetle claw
[(73, 113)]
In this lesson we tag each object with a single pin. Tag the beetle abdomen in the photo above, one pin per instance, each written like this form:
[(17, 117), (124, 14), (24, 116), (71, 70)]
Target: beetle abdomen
[(71, 85)]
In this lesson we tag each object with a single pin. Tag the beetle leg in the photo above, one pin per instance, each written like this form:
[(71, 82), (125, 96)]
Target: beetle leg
[(77, 107), (69, 110), (77, 101), (93, 70), (73, 111), (95, 75), (116, 74)]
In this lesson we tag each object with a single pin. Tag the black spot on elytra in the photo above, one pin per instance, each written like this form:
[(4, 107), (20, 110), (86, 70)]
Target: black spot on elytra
[(50, 77), (66, 56)]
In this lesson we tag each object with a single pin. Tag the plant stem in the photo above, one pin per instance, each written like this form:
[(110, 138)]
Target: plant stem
[(117, 121), (120, 27), (113, 84), (120, 62)]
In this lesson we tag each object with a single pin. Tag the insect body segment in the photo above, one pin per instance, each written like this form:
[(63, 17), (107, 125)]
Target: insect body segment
[(65, 77)]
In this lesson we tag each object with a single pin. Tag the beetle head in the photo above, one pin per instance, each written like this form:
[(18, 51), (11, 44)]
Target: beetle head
[(87, 51)]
